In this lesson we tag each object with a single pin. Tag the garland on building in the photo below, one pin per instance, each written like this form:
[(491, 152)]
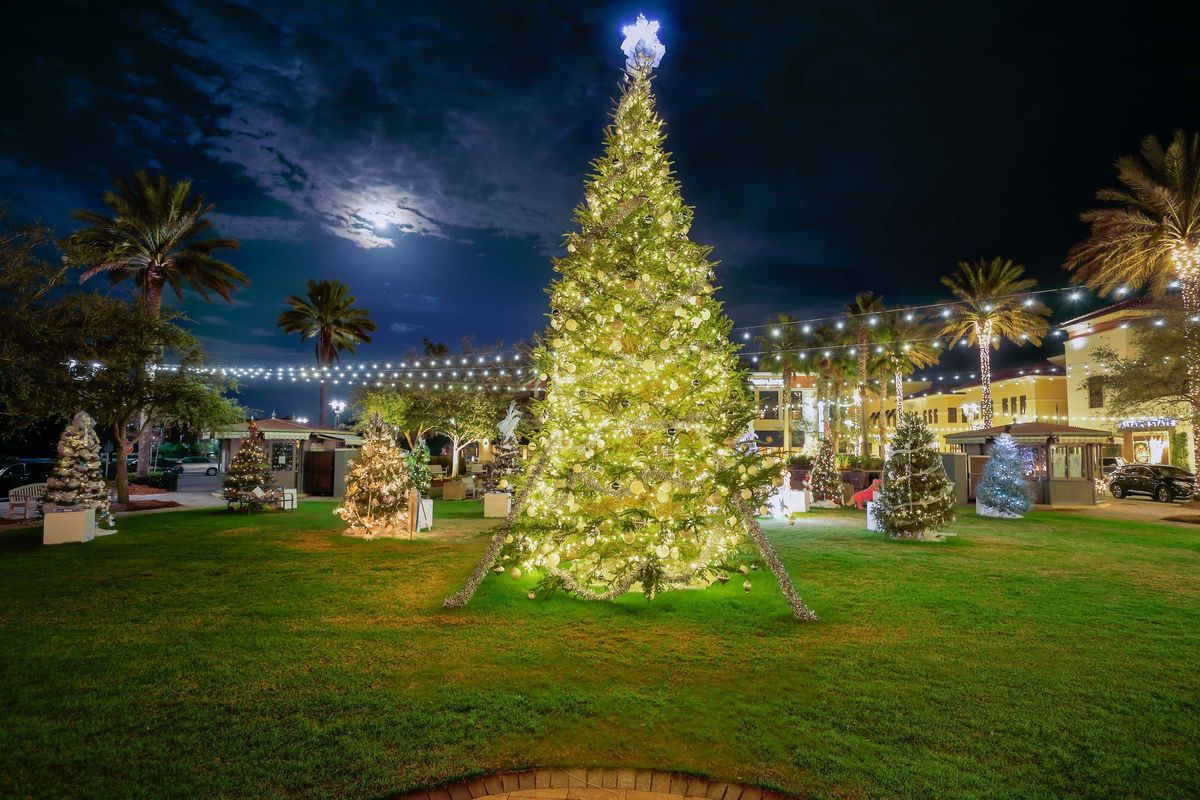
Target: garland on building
[(824, 480), (377, 486), (636, 482), (77, 481), (1002, 491), (249, 483), (504, 468), (916, 500)]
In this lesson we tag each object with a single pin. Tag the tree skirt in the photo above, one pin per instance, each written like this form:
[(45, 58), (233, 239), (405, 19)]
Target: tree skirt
[(988, 511)]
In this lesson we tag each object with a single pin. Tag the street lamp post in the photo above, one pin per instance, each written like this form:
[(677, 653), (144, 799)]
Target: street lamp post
[(338, 407)]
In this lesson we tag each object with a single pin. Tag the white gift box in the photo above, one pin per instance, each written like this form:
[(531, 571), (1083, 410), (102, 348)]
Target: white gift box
[(62, 527), (497, 504)]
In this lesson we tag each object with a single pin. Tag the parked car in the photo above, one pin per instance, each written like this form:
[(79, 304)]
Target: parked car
[(1162, 482), (1110, 465), (194, 464), (21, 473)]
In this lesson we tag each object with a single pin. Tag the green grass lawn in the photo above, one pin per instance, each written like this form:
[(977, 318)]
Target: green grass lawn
[(203, 654)]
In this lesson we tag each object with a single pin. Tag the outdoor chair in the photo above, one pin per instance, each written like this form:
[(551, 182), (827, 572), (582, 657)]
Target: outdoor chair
[(25, 497)]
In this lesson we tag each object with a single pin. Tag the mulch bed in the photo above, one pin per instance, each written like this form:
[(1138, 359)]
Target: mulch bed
[(139, 489), (145, 505)]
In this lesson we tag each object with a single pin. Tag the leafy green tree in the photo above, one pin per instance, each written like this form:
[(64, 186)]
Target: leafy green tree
[(994, 305), (1150, 237), (39, 331), (466, 415), (1155, 380), (413, 413), (126, 386), (327, 316)]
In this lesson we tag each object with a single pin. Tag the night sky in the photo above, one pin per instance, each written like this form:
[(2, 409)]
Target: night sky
[(430, 154)]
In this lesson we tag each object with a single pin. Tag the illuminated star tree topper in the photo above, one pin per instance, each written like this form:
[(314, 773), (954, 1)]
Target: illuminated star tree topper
[(642, 48)]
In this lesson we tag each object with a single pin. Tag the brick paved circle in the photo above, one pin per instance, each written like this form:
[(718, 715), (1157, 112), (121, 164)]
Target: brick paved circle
[(592, 783)]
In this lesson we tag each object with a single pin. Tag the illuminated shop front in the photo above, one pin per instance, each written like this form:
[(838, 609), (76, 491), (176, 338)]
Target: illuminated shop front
[(1146, 440)]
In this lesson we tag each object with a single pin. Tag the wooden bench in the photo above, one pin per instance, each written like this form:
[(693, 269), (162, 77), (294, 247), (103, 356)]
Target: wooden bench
[(25, 496)]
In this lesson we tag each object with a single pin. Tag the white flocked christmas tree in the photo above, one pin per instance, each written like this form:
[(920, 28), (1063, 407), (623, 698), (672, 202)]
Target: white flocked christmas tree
[(635, 479), (916, 500), (1002, 491), (77, 481)]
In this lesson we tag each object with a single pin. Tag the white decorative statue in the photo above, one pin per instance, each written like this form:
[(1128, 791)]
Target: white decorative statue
[(508, 425)]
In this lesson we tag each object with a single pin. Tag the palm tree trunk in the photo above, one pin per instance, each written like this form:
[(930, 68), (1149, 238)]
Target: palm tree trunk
[(863, 445), (984, 338), (883, 393), (154, 292), (899, 395), (122, 465), (324, 401)]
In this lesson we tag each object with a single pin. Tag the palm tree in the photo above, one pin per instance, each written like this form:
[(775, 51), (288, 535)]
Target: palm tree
[(154, 236), (865, 310), (992, 308), (328, 316), (1151, 237), (913, 345), (832, 358), (780, 347)]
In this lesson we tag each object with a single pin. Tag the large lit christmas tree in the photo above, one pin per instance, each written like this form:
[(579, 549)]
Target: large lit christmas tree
[(249, 484), (916, 500), (77, 481), (1002, 491), (377, 486), (824, 480), (636, 479)]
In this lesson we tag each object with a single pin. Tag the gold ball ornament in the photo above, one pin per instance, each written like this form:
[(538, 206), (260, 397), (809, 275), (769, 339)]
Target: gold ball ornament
[(514, 573), (508, 539), (746, 587), (532, 595)]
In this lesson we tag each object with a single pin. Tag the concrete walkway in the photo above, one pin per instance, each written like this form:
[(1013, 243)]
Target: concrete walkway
[(1138, 509), (592, 783)]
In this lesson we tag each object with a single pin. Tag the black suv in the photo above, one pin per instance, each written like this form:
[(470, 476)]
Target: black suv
[(1163, 483), (21, 473)]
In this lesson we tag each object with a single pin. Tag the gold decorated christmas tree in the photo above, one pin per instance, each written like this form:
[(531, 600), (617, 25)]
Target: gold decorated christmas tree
[(636, 479)]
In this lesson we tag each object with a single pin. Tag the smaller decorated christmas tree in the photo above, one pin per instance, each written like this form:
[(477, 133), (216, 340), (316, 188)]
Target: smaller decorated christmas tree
[(249, 484), (916, 500), (419, 474), (77, 481), (1002, 491), (824, 480), (507, 462), (377, 486)]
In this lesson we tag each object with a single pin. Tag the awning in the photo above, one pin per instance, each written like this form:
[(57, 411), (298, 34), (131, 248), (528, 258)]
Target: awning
[(346, 438)]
